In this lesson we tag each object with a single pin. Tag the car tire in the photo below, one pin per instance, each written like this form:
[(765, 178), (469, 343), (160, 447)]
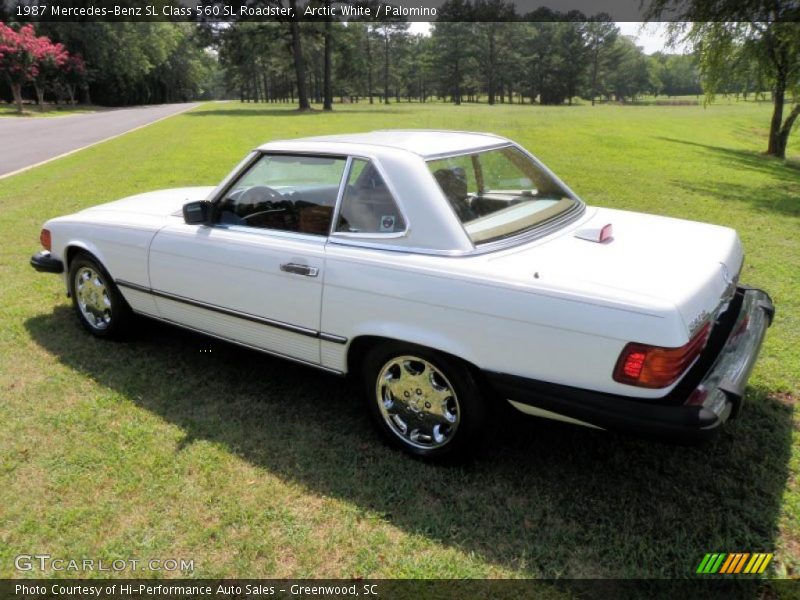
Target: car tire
[(98, 304), (424, 402)]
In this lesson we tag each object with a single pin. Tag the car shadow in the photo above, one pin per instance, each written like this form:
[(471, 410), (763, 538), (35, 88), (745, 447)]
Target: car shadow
[(543, 498)]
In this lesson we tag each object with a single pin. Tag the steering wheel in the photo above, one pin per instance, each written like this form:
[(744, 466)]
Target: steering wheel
[(258, 194)]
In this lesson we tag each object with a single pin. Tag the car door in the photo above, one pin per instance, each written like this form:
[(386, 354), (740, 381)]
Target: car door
[(254, 274)]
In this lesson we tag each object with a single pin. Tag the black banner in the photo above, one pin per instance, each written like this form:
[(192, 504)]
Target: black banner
[(355, 10), (173, 589)]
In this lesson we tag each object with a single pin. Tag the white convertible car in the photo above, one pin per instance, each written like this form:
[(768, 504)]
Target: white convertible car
[(448, 270)]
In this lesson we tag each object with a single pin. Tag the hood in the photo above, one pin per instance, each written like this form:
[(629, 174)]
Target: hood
[(162, 203), (653, 264)]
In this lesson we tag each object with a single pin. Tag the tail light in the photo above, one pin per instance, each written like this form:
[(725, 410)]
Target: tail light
[(44, 238), (656, 367)]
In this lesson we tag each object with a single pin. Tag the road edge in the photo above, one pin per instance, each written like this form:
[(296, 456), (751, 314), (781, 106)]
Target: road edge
[(116, 135)]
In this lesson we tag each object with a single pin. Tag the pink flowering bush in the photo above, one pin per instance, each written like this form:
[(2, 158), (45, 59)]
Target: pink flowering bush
[(27, 58)]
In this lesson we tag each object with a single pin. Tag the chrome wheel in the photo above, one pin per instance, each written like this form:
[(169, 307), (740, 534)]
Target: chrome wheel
[(417, 402), (93, 298)]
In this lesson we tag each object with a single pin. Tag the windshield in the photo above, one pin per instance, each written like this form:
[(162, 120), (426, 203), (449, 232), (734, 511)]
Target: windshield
[(499, 193)]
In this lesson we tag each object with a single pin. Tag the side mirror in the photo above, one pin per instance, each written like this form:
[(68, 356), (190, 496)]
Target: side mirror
[(197, 213)]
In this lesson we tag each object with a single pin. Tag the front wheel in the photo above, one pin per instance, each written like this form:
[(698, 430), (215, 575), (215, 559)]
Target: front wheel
[(100, 307), (424, 402)]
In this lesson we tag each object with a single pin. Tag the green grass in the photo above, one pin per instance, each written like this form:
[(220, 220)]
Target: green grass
[(256, 467)]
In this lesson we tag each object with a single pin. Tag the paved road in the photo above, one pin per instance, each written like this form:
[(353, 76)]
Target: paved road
[(27, 141)]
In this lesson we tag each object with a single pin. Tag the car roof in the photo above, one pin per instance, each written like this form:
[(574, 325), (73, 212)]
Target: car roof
[(423, 142)]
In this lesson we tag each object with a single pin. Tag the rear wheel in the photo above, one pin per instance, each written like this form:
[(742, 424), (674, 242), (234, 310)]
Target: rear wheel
[(100, 307), (423, 402)]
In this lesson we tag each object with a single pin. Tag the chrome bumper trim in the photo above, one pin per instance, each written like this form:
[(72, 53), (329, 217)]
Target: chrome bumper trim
[(725, 382)]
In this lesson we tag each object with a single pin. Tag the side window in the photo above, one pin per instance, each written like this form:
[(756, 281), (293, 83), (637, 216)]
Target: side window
[(459, 167), (367, 204), (288, 193)]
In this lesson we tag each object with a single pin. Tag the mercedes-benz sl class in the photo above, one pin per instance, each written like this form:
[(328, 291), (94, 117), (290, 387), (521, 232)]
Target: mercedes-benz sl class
[(447, 271)]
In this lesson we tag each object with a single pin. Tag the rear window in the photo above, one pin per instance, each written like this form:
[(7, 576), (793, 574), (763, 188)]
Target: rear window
[(499, 193)]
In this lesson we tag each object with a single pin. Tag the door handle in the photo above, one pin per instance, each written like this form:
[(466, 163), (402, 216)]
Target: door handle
[(298, 269)]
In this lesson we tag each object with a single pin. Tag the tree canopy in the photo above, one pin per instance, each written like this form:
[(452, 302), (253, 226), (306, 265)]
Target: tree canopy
[(740, 41)]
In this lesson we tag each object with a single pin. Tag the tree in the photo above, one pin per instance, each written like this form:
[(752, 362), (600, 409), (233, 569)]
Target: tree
[(572, 48), (600, 36), (133, 63), (187, 69), (630, 75), (328, 91), (18, 58), (549, 72), (725, 31), (453, 46), (299, 65), (493, 16), (51, 59), (73, 76), (677, 73), (392, 34)]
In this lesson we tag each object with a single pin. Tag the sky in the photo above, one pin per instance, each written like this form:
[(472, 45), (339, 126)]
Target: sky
[(651, 37)]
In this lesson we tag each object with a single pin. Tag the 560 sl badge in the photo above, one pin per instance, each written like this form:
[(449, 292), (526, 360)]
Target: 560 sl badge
[(698, 322)]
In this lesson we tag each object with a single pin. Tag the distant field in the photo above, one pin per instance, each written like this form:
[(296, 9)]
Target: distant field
[(256, 467)]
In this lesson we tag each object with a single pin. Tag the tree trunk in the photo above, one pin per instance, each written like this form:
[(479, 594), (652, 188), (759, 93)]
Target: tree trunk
[(778, 99), (299, 65), (369, 66), (594, 74), (39, 95), (490, 83), (328, 89), (786, 128), (16, 90), (457, 91), (385, 67)]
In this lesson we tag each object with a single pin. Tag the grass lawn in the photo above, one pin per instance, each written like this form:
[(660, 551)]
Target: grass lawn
[(256, 467)]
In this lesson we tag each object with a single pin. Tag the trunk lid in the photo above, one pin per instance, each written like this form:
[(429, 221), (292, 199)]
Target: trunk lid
[(651, 264)]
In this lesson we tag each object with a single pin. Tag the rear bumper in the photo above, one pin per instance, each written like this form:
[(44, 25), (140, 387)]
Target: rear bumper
[(44, 263), (710, 393)]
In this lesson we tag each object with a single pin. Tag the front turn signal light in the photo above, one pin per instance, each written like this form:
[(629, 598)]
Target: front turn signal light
[(44, 238)]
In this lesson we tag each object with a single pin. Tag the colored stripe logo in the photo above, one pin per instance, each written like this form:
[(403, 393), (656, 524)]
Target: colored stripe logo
[(733, 563)]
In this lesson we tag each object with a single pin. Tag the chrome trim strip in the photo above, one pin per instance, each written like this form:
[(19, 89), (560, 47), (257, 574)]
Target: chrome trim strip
[(465, 151), (543, 230), (133, 286), (529, 409), (329, 337), (357, 243), (249, 346), (316, 238), (342, 187), (376, 235)]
